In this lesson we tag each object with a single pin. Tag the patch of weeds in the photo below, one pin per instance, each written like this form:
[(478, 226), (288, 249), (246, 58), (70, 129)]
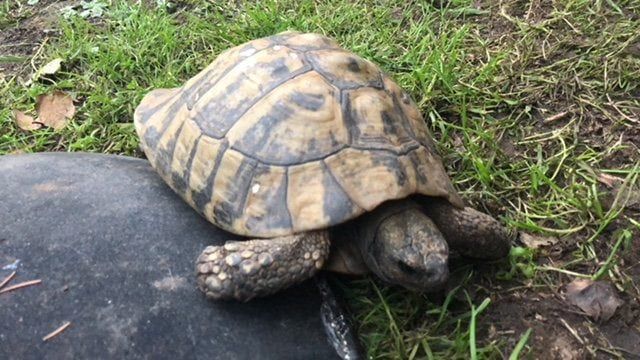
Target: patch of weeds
[(522, 264), (396, 323), (86, 9)]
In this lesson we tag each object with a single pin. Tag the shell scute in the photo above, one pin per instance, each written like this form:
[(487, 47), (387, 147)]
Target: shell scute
[(305, 42), (195, 87), (230, 189), (266, 203), (375, 122), (218, 109), (297, 122), (369, 176), (345, 69)]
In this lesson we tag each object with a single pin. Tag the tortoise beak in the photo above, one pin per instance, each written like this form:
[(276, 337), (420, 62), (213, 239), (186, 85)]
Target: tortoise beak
[(431, 276)]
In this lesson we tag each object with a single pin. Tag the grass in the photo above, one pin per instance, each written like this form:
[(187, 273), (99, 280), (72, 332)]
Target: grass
[(533, 104)]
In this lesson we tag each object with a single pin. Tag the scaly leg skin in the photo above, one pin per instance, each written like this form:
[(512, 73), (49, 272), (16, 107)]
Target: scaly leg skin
[(468, 231), (242, 270)]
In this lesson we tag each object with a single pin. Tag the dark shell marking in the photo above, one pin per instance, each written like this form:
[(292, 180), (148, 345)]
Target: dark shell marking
[(289, 133)]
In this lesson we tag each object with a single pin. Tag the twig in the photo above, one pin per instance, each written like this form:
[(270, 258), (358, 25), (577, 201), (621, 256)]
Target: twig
[(555, 117), (33, 64), (613, 105), (7, 279), (563, 271), (18, 44), (57, 331), (575, 335), (572, 331), (21, 285), (528, 13)]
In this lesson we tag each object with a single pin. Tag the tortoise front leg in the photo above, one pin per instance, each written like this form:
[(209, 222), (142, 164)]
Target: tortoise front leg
[(243, 270), (470, 232)]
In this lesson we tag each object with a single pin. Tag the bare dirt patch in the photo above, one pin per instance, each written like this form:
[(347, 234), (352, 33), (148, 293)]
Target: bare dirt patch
[(31, 29), (561, 331)]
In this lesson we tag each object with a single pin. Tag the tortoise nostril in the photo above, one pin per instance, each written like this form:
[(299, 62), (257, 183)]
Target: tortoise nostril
[(430, 272), (405, 267), (436, 269)]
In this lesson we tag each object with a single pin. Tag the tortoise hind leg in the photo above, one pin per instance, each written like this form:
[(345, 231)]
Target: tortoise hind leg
[(243, 270), (470, 232)]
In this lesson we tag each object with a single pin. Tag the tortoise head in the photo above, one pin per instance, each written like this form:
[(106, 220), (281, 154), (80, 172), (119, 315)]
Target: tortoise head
[(404, 247)]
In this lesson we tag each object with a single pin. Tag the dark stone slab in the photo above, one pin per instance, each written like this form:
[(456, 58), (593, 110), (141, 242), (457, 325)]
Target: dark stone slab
[(115, 249)]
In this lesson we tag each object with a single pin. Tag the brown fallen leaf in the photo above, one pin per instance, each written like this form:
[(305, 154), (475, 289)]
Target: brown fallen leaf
[(609, 180), (598, 299), (535, 241), (51, 67), (25, 122), (55, 110), (622, 195)]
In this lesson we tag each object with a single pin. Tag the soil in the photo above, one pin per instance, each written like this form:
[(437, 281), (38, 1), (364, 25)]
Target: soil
[(561, 330)]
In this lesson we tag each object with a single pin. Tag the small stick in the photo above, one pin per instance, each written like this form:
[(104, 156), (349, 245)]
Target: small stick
[(21, 285), (7, 279), (572, 331), (555, 117), (57, 331)]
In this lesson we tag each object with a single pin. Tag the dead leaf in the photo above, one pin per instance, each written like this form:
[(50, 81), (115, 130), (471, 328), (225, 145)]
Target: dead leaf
[(622, 195), (51, 67), (598, 299), (609, 180), (25, 122), (535, 241), (55, 110)]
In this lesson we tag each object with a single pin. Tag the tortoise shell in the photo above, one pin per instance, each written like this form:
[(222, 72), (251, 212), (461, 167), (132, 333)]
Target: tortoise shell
[(289, 133)]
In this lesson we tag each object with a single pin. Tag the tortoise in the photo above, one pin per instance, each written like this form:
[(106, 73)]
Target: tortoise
[(315, 159)]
